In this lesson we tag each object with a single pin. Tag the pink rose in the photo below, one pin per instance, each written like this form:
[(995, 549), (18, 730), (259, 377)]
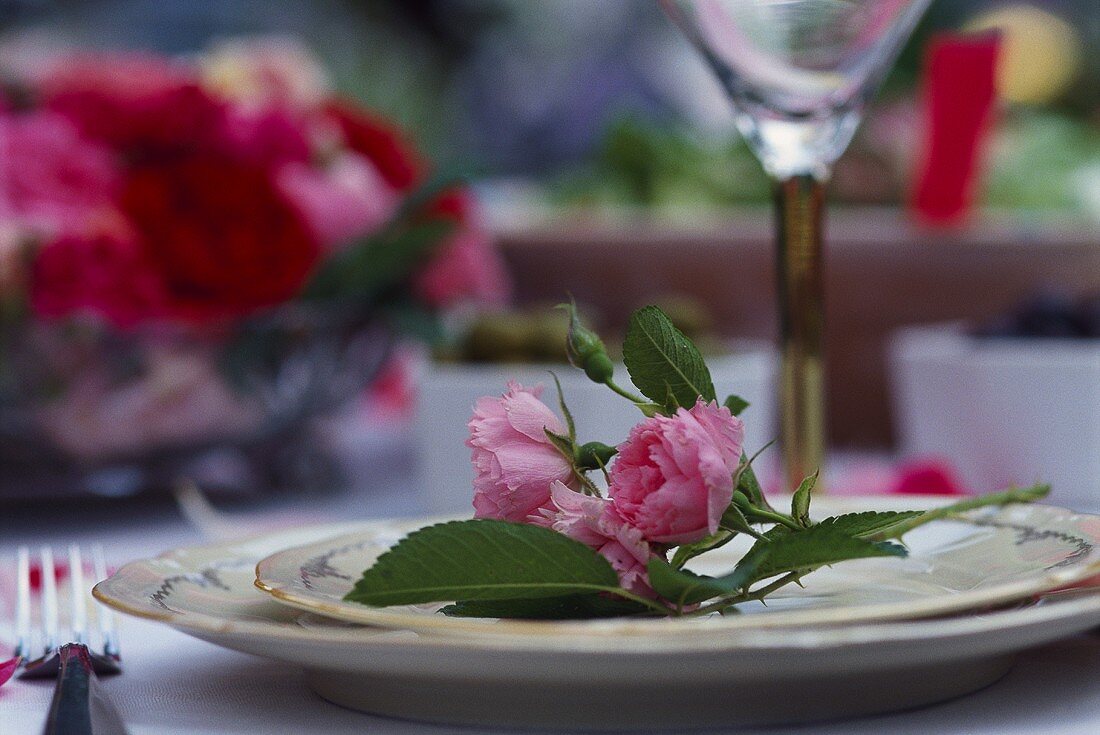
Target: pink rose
[(514, 460), (595, 522), (52, 179), (467, 267), (263, 137), (673, 476), (347, 200)]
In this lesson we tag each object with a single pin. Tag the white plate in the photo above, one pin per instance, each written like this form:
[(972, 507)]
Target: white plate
[(990, 557), (727, 677)]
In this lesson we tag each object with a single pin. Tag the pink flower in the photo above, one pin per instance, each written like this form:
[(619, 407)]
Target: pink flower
[(51, 178), (349, 199), (514, 460), (881, 476), (467, 267), (595, 522), (673, 476), (263, 137)]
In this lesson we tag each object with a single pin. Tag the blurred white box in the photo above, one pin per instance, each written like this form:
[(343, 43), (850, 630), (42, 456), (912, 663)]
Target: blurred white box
[(447, 393), (1003, 411)]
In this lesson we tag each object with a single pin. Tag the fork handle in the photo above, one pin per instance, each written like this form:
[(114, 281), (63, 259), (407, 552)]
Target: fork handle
[(79, 706)]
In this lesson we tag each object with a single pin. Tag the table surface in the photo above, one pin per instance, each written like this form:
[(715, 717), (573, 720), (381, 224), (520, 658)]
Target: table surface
[(176, 684)]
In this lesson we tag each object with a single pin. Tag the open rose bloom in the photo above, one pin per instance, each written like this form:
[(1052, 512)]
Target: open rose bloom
[(171, 205), (673, 477)]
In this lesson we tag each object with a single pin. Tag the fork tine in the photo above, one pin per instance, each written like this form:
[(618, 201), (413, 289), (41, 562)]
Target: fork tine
[(78, 621), (108, 627), (23, 603), (49, 601)]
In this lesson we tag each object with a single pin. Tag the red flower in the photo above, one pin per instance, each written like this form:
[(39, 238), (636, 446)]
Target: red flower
[(454, 204), (928, 477), (104, 272), (140, 104), (224, 238), (386, 147)]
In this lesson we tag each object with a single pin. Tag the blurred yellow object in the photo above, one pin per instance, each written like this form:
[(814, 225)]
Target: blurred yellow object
[(1040, 53), (265, 70)]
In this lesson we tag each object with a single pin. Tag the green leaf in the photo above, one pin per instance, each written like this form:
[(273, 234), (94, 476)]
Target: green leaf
[(369, 268), (569, 607), (868, 523), (679, 585), (414, 320), (595, 455), (686, 552), (687, 588), (482, 560), (750, 486), (800, 503), (810, 548), (734, 519), (1005, 497), (664, 364), (736, 404)]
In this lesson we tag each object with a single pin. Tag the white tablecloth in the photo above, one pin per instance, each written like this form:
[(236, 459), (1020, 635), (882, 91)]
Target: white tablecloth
[(175, 684)]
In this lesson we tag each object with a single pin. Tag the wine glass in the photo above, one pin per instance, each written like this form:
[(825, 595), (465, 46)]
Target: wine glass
[(799, 73)]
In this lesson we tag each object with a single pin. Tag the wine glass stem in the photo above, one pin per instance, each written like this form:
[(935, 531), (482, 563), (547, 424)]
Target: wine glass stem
[(799, 206)]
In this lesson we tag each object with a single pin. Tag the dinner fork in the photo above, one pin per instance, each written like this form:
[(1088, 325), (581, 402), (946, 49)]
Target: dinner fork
[(79, 707)]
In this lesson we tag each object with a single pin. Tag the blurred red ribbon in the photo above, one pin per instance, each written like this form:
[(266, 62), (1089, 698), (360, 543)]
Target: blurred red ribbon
[(960, 89)]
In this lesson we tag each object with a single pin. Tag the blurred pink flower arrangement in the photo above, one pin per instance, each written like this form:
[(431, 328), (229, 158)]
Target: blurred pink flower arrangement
[(230, 180), (143, 196)]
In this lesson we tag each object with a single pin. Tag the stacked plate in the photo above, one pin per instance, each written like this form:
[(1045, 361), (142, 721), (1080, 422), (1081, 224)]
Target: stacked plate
[(865, 636)]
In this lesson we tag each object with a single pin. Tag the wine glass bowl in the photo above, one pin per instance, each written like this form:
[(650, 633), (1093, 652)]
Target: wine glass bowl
[(798, 71)]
